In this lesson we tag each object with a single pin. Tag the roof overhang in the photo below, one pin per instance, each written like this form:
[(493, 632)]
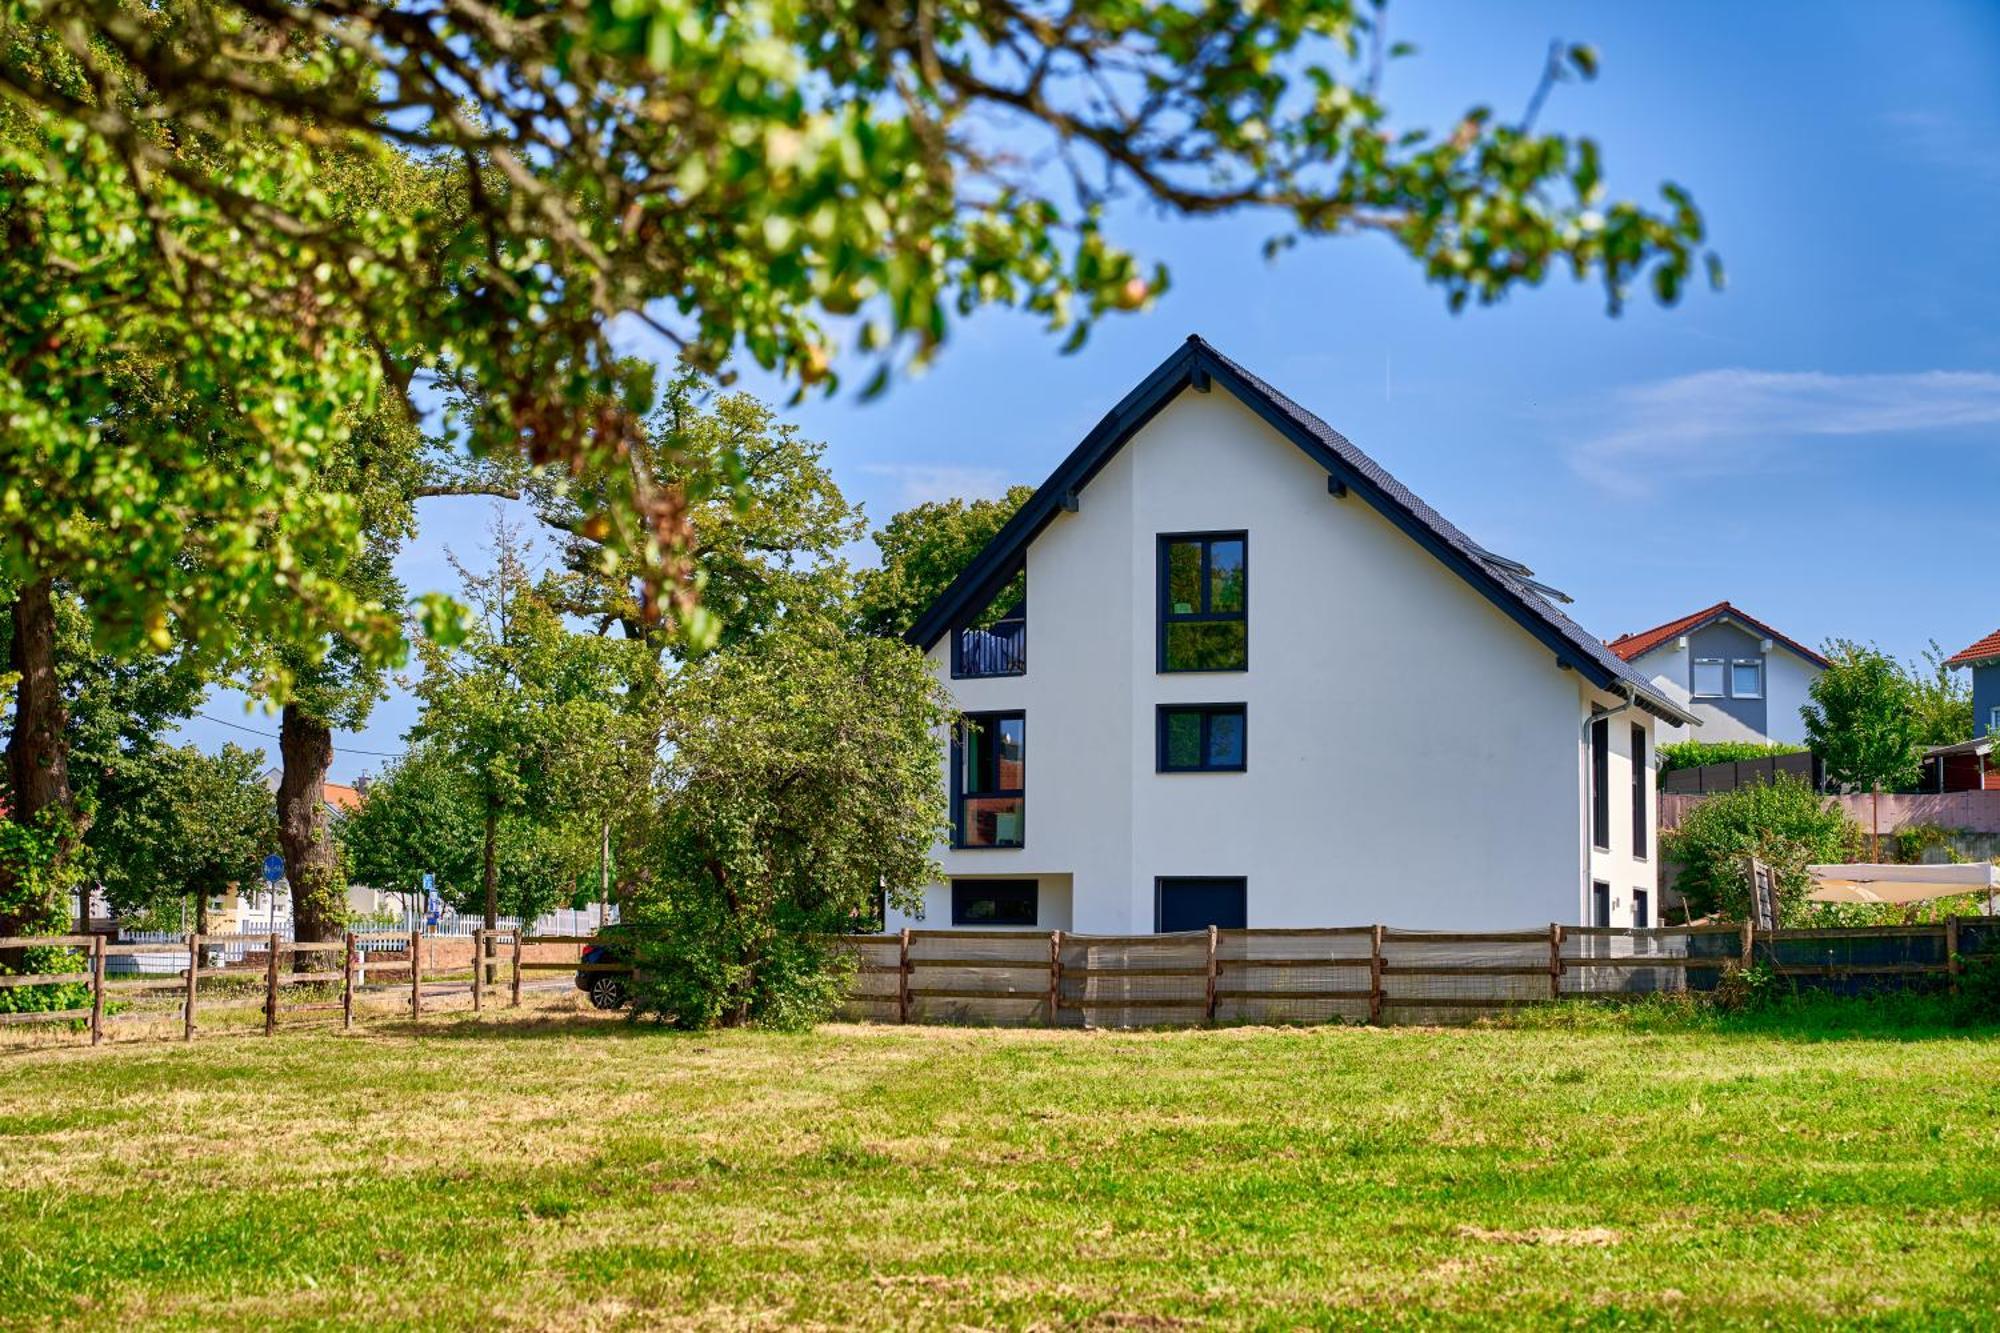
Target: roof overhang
[(1197, 365)]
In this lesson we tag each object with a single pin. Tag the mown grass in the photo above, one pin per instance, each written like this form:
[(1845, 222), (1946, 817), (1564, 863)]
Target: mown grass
[(569, 1171)]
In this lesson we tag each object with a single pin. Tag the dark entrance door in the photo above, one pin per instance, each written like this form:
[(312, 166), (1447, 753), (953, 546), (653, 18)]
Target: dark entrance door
[(1198, 903)]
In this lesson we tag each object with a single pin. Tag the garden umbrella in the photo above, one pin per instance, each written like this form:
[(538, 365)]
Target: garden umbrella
[(1900, 884)]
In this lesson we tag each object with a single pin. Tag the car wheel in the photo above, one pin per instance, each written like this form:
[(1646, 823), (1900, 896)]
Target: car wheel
[(607, 993)]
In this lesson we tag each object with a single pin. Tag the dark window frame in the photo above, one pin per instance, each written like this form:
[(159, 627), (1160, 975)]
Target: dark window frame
[(1641, 839), (1166, 617), (1160, 883), (958, 633), (974, 885), (1600, 903), (1600, 784), (959, 793), (1207, 712), (1642, 909)]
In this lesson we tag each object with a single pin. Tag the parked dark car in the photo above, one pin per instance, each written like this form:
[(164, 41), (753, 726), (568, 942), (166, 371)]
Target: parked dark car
[(607, 990)]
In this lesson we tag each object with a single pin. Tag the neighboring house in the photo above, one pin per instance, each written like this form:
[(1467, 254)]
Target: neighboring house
[(1983, 660), (1258, 682), (1743, 679), (265, 902)]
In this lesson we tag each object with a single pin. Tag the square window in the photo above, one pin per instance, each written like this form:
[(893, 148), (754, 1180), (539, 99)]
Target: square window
[(1746, 678), (1201, 738), (994, 902), (1707, 683), (1204, 602)]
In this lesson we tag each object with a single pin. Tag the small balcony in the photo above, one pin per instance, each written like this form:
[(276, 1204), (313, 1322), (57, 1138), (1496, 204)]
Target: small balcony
[(998, 650)]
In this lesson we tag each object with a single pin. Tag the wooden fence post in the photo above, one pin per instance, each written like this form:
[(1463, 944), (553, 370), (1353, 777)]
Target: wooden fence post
[(516, 1003), (347, 985), (903, 980), (1951, 962), (271, 989), (1555, 960), (478, 968), (416, 974), (1055, 974), (1375, 977), (96, 989), (194, 976), (1208, 1006)]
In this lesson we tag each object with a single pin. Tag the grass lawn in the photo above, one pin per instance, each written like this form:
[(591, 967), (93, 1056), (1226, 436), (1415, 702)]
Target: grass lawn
[(571, 1171)]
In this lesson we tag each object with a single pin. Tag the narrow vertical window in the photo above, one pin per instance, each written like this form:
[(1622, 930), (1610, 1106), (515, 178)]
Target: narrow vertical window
[(1600, 903), (1640, 838), (1642, 911), (1204, 602), (1600, 784), (989, 776)]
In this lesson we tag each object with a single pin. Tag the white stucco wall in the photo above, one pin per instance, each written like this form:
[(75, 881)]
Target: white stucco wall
[(1788, 682), (1621, 865), (1787, 678), (1414, 756)]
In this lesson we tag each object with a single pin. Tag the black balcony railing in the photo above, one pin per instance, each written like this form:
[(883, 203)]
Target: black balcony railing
[(999, 651)]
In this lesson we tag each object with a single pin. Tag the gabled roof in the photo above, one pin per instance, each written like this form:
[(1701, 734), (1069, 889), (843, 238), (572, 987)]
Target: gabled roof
[(1631, 646), (1986, 650), (1198, 365)]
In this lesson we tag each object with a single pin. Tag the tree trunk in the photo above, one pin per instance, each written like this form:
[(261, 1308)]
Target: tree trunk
[(201, 914), (491, 873), (312, 862), (37, 756)]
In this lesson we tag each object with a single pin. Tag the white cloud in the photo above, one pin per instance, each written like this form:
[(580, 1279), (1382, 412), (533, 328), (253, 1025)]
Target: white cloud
[(1725, 422), (919, 482)]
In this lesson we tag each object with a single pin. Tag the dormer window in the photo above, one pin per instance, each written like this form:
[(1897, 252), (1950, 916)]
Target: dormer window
[(995, 643)]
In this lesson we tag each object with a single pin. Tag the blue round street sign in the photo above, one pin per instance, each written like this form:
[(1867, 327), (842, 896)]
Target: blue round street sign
[(274, 867)]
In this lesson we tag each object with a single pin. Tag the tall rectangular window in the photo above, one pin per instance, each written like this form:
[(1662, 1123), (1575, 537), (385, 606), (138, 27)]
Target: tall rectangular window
[(1600, 903), (1204, 602), (1600, 784), (1201, 738), (1642, 909), (989, 777), (1639, 777), (995, 902)]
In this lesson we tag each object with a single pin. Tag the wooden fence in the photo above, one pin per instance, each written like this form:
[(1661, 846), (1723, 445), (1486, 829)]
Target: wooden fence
[(1372, 974), (496, 967)]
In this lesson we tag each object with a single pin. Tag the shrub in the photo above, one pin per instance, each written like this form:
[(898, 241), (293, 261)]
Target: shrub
[(1693, 754), (1783, 823)]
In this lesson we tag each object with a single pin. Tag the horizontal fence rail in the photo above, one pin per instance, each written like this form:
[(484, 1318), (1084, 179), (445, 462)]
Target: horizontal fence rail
[(1352, 974), (1361, 974)]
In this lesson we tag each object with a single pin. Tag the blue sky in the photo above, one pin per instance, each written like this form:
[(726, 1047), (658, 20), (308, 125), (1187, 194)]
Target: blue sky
[(1820, 443)]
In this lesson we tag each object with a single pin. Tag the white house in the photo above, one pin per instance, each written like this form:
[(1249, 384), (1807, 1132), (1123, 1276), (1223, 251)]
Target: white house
[(1743, 679), (1223, 669)]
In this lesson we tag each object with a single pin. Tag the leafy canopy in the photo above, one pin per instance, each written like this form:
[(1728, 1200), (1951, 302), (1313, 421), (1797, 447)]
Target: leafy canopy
[(185, 282), (799, 786), (180, 824), (923, 549), (1861, 719)]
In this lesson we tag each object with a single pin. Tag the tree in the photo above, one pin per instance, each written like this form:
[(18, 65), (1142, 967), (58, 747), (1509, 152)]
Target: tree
[(526, 711), (800, 784), (923, 549), (426, 815), (190, 316), (1784, 823), (1861, 723), (1940, 700), (180, 824)]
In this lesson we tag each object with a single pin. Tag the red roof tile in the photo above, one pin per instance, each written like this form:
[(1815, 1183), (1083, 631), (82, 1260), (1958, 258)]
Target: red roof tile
[(1985, 650), (1630, 646), (340, 796)]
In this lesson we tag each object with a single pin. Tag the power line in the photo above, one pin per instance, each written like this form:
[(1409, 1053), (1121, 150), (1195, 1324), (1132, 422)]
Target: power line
[(272, 736)]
